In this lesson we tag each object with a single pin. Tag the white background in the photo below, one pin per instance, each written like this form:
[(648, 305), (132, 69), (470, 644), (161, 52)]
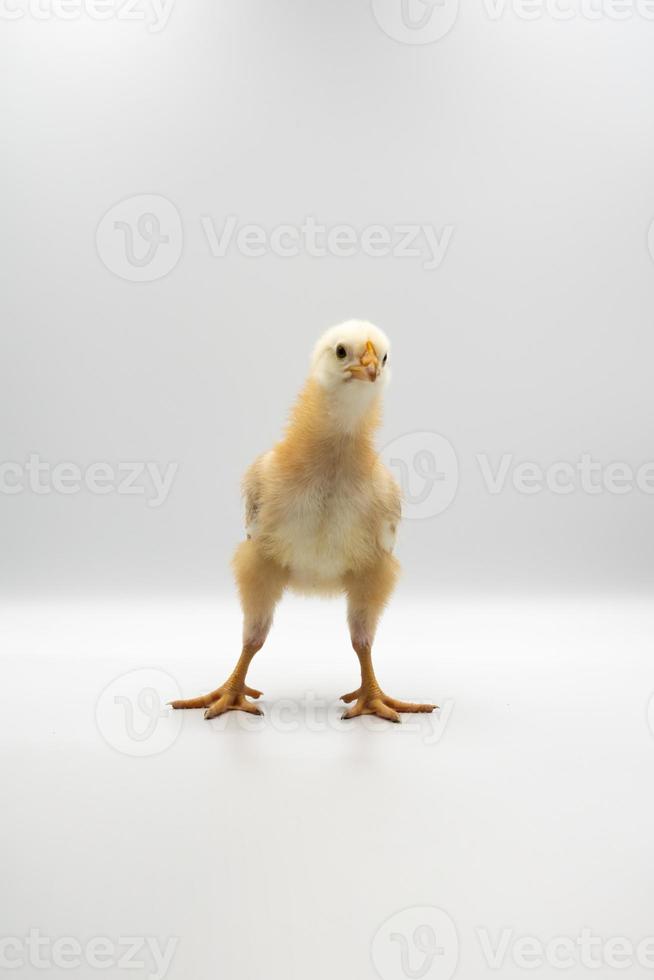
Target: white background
[(532, 139), (281, 849)]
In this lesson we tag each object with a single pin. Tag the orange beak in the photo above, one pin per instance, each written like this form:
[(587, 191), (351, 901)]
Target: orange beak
[(368, 367)]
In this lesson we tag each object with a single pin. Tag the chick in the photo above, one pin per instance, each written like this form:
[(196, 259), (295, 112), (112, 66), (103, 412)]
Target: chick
[(321, 516)]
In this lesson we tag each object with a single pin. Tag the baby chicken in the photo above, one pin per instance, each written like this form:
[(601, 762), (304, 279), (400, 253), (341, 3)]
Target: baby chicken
[(321, 516)]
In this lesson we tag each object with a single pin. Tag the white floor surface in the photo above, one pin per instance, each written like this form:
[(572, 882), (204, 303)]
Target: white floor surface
[(509, 834)]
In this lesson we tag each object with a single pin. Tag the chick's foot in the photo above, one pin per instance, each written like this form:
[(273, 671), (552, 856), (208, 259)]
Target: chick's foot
[(225, 698), (373, 701)]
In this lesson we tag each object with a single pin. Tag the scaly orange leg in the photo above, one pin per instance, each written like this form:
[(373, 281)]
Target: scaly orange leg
[(261, 583), (230, 696), (367, 592), (369, 697)]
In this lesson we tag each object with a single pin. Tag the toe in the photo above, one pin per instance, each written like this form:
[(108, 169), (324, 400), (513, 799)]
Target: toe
[(352, 696), (252, 692), (215, 708), (408, 706), (231, 703), (374, 707), (382, 710), (250, 708), (191, 703)]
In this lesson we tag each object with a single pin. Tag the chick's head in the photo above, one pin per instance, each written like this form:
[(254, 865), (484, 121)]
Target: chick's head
[(352, 359)]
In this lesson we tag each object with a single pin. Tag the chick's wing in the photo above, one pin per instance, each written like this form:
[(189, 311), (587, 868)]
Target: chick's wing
[(389, 507)]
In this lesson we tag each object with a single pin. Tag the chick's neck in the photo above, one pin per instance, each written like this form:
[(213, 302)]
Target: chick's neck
[(335, 420)]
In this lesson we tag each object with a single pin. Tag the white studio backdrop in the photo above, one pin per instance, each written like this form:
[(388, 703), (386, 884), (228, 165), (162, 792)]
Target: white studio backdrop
[(195, 190)]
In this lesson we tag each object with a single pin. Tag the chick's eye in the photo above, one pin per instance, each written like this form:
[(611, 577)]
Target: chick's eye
[(385, 358), (341, 352)]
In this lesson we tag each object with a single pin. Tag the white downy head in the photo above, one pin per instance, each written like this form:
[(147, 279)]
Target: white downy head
[(350, 361)]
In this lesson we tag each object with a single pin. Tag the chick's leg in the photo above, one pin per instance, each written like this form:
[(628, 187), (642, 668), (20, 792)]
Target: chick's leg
[(261, 583), (367, 595)]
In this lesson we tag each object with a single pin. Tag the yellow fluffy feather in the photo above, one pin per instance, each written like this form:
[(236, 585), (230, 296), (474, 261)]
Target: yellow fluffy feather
[(321, 515)]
